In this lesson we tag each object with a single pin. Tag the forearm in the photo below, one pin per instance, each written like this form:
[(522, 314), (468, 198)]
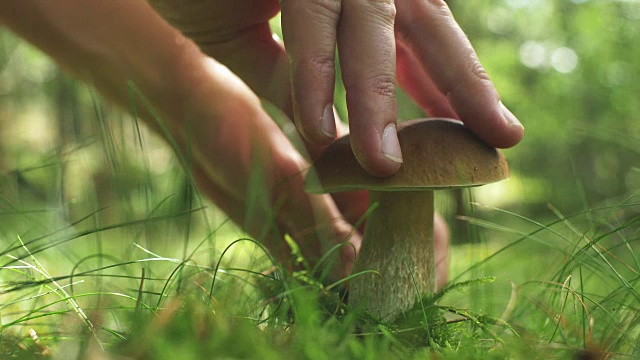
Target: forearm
[(107, 43), (113, 43)]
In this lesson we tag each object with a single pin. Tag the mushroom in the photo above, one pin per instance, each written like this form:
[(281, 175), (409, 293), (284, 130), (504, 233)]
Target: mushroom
[(398, 239)]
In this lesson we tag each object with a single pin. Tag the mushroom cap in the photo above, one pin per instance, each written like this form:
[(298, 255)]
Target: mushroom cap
[(437, 153)]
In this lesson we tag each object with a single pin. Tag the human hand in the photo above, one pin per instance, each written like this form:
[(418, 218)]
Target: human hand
[(212, 118), (436, 65), (237, 34), (246, 165)]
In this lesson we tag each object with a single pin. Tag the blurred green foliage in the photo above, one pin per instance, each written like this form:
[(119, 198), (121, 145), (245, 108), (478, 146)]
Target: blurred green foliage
[(568, 69)]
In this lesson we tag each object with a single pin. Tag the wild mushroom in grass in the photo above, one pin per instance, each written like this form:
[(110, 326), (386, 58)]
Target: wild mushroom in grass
[(398, 239)]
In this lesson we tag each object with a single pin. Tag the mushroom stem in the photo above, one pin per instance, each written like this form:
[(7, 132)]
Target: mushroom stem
[(398, 243)]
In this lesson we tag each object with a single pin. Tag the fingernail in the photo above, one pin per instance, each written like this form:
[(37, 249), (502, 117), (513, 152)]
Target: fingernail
[(510, 119), (390, 145), (328, 122)]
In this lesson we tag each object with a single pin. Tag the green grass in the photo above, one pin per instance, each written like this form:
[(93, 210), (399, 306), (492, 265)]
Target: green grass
[(133, 263), (169, 281)]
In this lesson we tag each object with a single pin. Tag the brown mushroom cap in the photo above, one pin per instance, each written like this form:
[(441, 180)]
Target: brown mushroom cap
[(438, 153)]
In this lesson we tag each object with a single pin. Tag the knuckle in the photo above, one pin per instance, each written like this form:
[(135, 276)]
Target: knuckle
[(476, 70), (383, 85), (475, 79), (383, 10), (329, 7), (318, 65)]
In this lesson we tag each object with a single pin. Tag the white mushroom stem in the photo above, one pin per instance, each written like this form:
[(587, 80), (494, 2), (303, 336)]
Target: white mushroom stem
[(398, 243)]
